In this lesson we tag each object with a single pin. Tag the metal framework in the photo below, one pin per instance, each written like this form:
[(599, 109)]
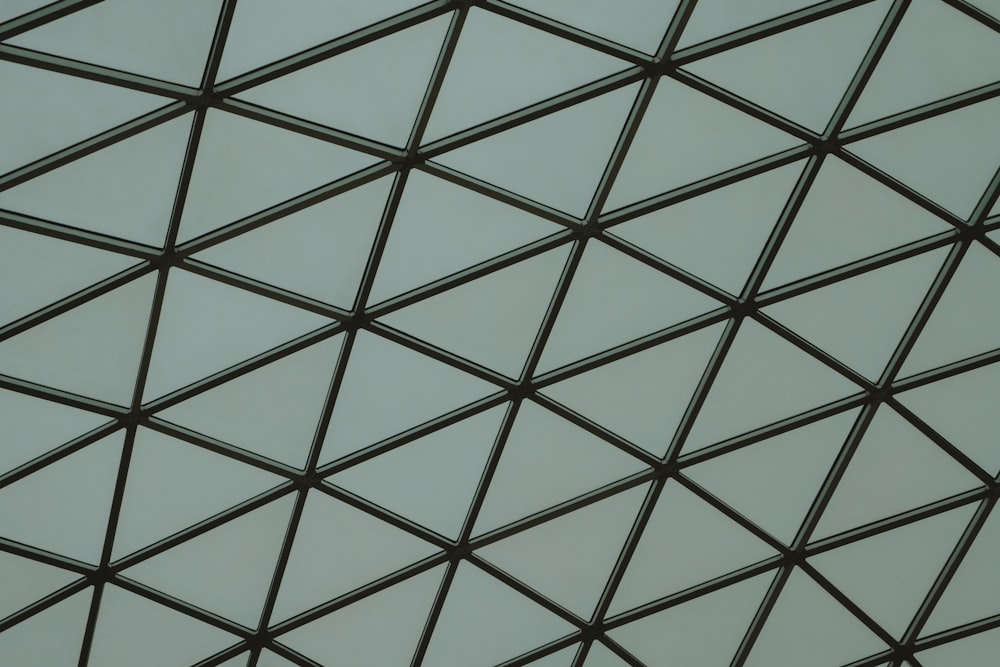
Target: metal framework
[(576, 234)]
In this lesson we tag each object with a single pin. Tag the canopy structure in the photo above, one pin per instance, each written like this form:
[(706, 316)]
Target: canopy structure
[(478, 332)]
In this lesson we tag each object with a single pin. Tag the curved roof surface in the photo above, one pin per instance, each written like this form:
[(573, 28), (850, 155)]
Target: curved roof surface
[(564, 333)]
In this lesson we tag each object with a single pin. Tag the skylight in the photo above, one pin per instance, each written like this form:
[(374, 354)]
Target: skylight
[(462, 333)]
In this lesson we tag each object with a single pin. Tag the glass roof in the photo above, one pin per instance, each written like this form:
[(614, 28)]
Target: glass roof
[(461, 333)]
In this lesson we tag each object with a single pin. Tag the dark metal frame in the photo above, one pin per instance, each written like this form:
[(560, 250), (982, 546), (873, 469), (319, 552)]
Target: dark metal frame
[(577, 233)]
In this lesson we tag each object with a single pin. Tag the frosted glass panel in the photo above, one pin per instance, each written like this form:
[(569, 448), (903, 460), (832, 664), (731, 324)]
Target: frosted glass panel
[(570, 558), (477, 87), (72, 523), (800, 73), (808, 627), (86, 193), (727, 611), (33, 426), (230, 180), (166, 40), (52, 111), (713, 18), (685, 136), (465, 633), (130, 626), (29, 642), (262, 31), (636, 23), (339, 91), (936, 52), (531, 159)]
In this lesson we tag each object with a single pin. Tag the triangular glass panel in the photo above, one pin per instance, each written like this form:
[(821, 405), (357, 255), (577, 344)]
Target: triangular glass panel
[(894, 469), (272, 411), (808, 627), (206, 326), (415, 255), (384, 393), (272, 659), (165, 40), (479, 85), (563, 658), (476, 607), (727, 611), (800, 73), (978, 649), (935, 52), (152, 508), (14, 8), (639, 24), (126, 189), (320, 251), (685, 542), (613, 299), (643, 396), (601, 656), (492, 320), (226, 570), (240, 661), (262, 31), (374, 90), (962, 408), (230, 180), (69, 502), (973, 593), (949, 158), (26, 581), (557, 159), (846, 216), (773, 482), (25, 286), (547, 460), (889, 574), (430, 480), (949, 335), (861, 320), (989, 6), (32, 426), (93, 349), (33, 643), (382, 629), (51, 111), (132, 630), (714, 18), (337, 549), (686, 136), (690, 234), (763, 379), (569, 558)]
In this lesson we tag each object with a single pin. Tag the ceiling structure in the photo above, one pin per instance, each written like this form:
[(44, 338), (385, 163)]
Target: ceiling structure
[(472, 333)]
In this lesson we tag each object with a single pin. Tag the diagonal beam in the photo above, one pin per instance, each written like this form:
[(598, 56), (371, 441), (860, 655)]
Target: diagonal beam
[(104, 571)]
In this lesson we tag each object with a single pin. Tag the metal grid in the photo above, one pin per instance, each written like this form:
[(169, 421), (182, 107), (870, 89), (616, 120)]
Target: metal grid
[(577, 233)]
